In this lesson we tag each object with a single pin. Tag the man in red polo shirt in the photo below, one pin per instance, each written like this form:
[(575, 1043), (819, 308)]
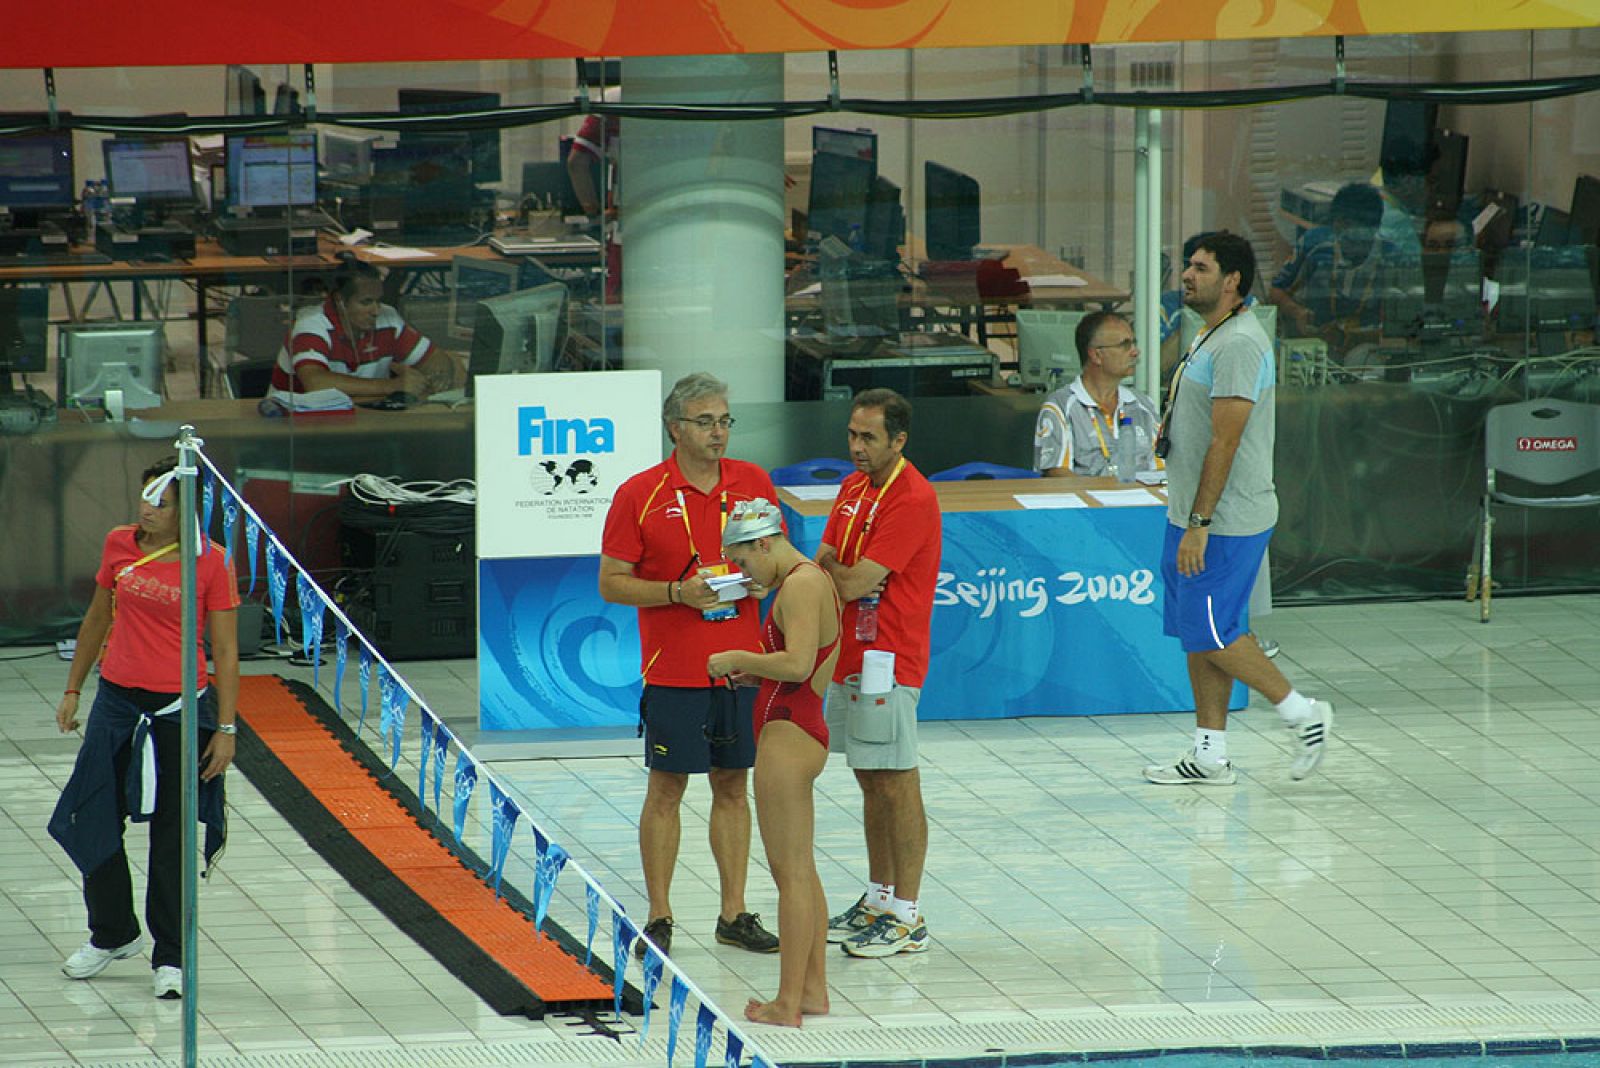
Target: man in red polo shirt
[(881, 545), (662, 541)]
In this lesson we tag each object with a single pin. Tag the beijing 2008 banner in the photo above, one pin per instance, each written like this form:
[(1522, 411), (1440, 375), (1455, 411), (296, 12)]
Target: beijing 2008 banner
[(98, 33), (551, 451)]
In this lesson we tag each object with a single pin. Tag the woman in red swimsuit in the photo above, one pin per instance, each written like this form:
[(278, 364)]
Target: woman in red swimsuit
[(800, 643)]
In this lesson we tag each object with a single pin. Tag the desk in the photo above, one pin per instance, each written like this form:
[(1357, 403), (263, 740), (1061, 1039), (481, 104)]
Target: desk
[(1042, 612)]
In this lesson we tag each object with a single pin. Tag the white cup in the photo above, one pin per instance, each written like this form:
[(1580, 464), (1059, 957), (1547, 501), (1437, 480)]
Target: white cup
[(877, 671)]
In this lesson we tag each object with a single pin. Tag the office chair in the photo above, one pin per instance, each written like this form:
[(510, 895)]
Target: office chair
[(256, 327), (1546, 443)]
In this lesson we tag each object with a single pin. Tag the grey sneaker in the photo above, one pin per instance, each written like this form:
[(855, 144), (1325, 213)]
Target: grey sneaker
[(168, 983), (91, 960), (1189, 770), (853, 920), (888, 936), (1311, 738)]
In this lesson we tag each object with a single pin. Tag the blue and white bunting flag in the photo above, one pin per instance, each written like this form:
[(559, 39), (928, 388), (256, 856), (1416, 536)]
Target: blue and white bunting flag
[(504, 817), (252, 538), (230, 526), (652, 979), (395, 702), (441, 743), (312, 608), (466, 779), (364, 676), (594, 922), (208, 501), (341, 657), (427, 724), (552, 858), (735, 1051), (622, 935), (676, 1000), (705, 1022), (278, 585)]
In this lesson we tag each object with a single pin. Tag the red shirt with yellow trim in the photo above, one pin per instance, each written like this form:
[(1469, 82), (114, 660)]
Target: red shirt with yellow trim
[(645, 527), (147, 624), (902, 534)]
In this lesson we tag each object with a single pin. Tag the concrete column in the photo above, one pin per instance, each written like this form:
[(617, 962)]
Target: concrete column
[(701, 207)]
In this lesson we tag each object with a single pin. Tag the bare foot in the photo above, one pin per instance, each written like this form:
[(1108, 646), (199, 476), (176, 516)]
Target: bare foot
[(814, 1008), (768, 1012)]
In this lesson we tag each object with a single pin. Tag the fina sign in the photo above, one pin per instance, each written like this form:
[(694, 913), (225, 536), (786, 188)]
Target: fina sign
[(551, 450), (1526, 444)]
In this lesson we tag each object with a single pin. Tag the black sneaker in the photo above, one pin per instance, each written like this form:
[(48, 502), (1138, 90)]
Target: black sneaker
[(659, 931), (746, 932)]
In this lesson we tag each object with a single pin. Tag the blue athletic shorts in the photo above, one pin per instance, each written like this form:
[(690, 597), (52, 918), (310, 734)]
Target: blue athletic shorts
[(1208, 611), (695, 730)]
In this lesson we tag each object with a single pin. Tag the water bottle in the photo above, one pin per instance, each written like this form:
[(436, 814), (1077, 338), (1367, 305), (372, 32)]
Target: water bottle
[(86, 199), (102, 203), (867, 618), (1125, 451)]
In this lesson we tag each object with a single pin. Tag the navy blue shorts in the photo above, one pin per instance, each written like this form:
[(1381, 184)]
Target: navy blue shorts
[(1209, 611), (694, 730)]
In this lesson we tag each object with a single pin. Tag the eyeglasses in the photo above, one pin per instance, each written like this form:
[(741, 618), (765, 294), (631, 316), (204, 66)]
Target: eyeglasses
[(706, 423), (1124, 345)]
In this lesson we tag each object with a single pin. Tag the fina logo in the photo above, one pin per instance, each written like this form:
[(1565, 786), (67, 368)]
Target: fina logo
[(560, 437)]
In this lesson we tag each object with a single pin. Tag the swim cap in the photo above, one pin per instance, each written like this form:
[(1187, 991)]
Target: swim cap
[(752, 519)]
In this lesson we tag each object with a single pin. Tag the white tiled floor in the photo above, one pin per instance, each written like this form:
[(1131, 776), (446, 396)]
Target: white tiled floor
[(1439, 880)]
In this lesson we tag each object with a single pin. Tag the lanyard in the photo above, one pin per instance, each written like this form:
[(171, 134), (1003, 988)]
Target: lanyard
[(1094, 421), (1164, 431), (683, 513), (866, 524)]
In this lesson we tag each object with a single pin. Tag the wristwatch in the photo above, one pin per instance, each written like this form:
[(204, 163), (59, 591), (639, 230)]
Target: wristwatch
[(227, 728), (1197, 520)]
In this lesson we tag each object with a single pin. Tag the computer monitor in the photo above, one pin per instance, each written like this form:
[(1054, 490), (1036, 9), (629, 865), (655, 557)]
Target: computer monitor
[(432, 179), (474, 280), (1434, 296), (951, 217), (485, 142), (1585, 213), (1448, 175), (841, 185), (1408, 146), (1047, 345), (1555, 229), (24, 320), (97, 357), (36, 170), (272, 170), (857, 144), (347, 156), (152, 170), (286, 100), (244, 94), (546, 183), (885, 230), (519, 332)]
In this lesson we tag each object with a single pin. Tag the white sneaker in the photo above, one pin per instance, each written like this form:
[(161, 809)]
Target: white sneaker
[(1190, 770), (169, 983), (91, 960), (1311, 739)]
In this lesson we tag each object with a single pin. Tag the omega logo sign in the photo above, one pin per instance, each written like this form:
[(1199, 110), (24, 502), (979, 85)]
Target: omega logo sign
[(1547, 444)]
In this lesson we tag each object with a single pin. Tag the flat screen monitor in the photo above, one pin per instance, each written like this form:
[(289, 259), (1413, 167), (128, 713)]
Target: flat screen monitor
[(24, 317), (886, 222), (152, 170), (1408, 137), (272, 170), (1585, 213), (950, 212), (433, 179), (858, 144), (519, 332), (485, 143), (36, 170), (347, 156), (1448, 174), (474, 280), (1047, 345), (1555, 229), (244, 92), (840, 188), (98, 357), (546, 183)]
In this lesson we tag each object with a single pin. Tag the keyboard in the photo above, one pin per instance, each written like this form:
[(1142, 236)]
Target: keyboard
[(55, 259)]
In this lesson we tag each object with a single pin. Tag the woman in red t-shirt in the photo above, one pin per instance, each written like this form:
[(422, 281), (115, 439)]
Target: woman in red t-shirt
[(800, 644), (134, 630)]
